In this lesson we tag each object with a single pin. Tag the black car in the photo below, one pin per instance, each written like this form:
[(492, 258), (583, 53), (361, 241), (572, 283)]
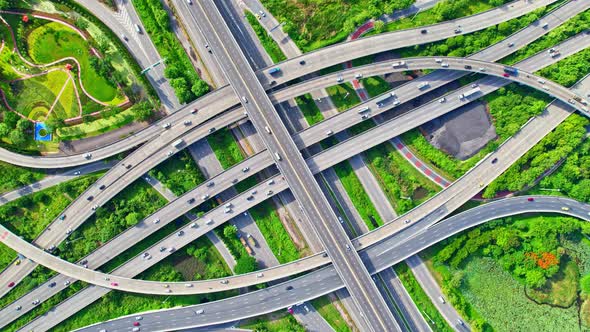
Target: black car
[(495, 160), (102, 186), (51, 285), (302, 62), (89, 198), (423, 31), (468, 67), (190, 200), (289, 287)]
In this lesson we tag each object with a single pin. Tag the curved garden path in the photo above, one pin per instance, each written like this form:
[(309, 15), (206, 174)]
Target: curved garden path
[(26, 76)]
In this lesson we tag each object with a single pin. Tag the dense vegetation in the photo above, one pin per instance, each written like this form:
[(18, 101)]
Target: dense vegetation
[(573, 176), (328, 310), (404, 185), (179, 70), (315, 24), (274, 232), (357, 194), (343, 96), (551, 149), (125, 210), (179, 173), (545, 255), (13, 177), (310, 110), (279, 321), (271, 47), (225, 147)]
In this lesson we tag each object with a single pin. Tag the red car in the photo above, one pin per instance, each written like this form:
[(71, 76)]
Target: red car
[(290, 310), (135, 323), (11, 284), (530, 199), (506, 75), (114, 284)]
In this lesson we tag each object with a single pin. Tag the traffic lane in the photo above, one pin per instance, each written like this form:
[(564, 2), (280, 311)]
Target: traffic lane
[(246, 84), (343, 52)]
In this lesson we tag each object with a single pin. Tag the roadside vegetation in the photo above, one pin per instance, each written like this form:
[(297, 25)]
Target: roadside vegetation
[(125, 210), (572, 178), (179, 173), (244, 262), (357, 194), (432, 316), (13, 177), (518, 273), (404, 185), (271, 227), (375, 85), (270, 46), (343, 96), (330, 313), (313, 25), (225, 147), (183, 77), (310, 110), (29, 215), (278, 321)]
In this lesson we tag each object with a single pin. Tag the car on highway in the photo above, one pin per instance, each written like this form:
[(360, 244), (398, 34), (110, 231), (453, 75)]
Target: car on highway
[(62, 217), (124, 37), (263, 14), (200, 312), (495, 160), (505, 75), (11, 284), (289, 288), (441, 300), (135, 329), (565, 208), (302, 62), (18, 307), (290, 310), (137, 28), (155, 221), (423, 31), (530, 199), (114, 284), (136, 324)]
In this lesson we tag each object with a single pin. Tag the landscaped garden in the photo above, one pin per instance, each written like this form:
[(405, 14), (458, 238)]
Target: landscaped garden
[(62, 73)]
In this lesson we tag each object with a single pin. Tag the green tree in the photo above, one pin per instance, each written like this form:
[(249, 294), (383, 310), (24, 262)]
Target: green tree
[(230, 231), (200, 88), (245, 264), (4, 130), (18, 138)]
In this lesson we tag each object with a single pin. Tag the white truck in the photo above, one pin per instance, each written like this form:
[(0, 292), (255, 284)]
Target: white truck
[(178, 143)]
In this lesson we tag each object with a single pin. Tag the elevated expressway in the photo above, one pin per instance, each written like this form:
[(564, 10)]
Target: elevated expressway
[(325, 280), (316, 60), (436, 79), (433, 109), (308, 262), (208, 107), (326, 158), (294, 169)]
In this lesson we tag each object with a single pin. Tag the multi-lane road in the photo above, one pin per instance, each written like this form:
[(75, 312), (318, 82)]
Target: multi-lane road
[(332, 156), (260, 161)]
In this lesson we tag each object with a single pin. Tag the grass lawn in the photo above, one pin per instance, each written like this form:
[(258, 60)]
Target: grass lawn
[(403, 184), (343, 96), (96, 127), (179, 173), (328, 310), (53, 41), (310, 110), (433, 316), (357, 195), (271, 47), (34, 96), (13, 177), (375, 85), (278, 321), (274, 232), (225, 147)]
